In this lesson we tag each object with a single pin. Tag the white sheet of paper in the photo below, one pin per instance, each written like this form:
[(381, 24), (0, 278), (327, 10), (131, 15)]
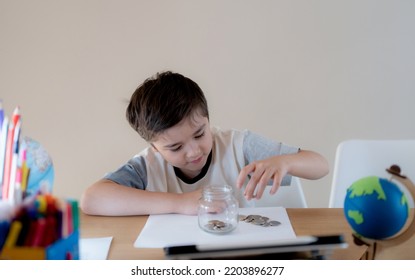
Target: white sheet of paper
[(175, 229), (94, 248)]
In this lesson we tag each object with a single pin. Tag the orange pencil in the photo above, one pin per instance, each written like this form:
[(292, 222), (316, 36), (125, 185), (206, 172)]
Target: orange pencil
[(25, 171), (13, 235)]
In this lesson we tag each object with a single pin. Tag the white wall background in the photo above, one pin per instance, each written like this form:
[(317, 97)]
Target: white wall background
[(308, 73)]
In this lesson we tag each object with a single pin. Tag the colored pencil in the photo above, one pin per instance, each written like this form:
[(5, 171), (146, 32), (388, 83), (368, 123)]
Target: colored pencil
[(3, 144), (9, 152)]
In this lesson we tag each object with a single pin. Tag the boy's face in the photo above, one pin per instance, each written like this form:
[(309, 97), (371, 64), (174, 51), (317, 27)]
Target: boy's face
[(186, 145)]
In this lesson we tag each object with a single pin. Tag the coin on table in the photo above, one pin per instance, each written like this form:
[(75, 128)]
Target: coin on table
[(242, 217), (273, 223), (260, 221), (251, 218)]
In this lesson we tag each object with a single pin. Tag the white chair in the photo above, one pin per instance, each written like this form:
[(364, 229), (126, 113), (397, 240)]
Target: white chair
[(356, 159), (287, 196)]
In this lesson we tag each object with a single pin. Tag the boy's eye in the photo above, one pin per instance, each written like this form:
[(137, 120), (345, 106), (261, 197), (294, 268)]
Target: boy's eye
[(176, 149), (200, 135)]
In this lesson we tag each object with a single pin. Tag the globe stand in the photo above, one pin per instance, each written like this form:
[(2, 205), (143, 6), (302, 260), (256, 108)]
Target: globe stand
[(375, 246)]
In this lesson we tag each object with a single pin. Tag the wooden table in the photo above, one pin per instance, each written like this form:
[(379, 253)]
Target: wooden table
[(307, 221)]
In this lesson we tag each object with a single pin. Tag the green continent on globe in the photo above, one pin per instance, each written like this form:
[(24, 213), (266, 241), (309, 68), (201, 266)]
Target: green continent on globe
[(404, 201), (356, 216), (367, 187)]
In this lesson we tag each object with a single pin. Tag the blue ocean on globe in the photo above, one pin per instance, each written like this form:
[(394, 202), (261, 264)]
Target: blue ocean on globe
[(42, 174), (376, 208)]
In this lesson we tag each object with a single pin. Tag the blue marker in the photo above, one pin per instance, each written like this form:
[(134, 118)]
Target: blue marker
[(6, 211), (4, 231)]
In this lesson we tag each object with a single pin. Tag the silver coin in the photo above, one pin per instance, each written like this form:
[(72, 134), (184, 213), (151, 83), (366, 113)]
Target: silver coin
[(209, 226), (214, 222), (259, 222), (273, 223), (256, 216), (251, 218), (248, 218), (265, 218)]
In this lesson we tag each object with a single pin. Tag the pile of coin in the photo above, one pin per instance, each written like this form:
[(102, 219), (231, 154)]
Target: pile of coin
[(216, 225), (258, 220)]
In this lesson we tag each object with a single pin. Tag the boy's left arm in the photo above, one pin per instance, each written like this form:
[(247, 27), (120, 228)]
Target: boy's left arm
[(304, 164)]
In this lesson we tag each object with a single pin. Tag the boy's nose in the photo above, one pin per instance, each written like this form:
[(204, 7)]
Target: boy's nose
[(194, 150)]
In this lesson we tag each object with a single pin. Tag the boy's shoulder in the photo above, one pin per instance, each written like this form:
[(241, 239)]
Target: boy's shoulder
[(228, 135), (149, 155), (216, 130)]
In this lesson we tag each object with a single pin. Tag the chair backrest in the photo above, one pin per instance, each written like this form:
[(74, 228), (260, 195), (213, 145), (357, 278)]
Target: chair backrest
[(356, 159), (291, 196)]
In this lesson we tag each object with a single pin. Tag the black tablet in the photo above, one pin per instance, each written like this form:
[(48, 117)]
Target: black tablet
[(302, 247)]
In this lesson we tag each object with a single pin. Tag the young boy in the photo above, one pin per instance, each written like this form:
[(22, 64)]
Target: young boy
[(170, 112)]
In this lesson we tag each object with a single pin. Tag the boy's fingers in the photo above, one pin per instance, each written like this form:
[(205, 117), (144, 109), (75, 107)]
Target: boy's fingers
[(276, 183), (243, 174), (253, 184), (259, 192)]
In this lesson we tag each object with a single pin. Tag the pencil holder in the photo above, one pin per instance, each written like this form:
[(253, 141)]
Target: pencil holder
[(47, 228), (63, 249)]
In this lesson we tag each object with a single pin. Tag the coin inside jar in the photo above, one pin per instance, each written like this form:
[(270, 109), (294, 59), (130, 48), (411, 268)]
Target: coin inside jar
[(217, 226)]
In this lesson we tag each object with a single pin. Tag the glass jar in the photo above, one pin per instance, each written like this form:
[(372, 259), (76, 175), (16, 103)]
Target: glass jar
[(218, 209)]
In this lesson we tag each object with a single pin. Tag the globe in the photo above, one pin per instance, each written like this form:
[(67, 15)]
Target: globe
[(41, 175), (376, 208)]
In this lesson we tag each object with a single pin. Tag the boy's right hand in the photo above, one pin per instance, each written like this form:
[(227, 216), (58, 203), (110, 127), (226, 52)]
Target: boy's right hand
[(188, 203)]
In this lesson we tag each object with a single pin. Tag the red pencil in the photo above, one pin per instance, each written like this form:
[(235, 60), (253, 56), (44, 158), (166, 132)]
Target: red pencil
[(8, 161), (70, 217), (39, 233)]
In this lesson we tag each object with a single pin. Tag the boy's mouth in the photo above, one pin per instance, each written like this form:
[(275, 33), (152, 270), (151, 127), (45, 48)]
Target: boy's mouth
[(198, 160)]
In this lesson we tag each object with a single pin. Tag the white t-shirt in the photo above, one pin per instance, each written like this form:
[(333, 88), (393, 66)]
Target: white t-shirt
[(231, 151)]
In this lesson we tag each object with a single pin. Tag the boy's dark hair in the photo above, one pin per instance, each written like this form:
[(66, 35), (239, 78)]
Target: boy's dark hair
[(162, 101)]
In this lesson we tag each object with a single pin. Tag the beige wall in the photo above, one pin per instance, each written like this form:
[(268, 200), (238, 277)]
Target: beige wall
[(308, 73)]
